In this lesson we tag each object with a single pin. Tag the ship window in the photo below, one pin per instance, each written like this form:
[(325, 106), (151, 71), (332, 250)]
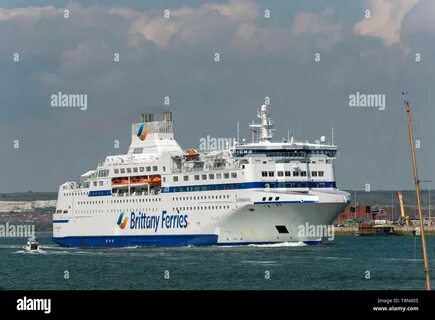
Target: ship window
[(164, 169), (204, 177), (175, 178), (196, 177), (137, 150), (264, 199), (122, 170), (233, 174), (154, 168), (101, 183), (128, 170), (288, 173), (280, 173), (226, 175), (141, 169), (295, 174), (211, 176), (320, 173), (314, 173), (148, 169), (219, 176), (95, 183), (164, 179), (271, 173), (116, 171), (135, 170), (264, 173), (103, 173), (303, 173), (186, 178)]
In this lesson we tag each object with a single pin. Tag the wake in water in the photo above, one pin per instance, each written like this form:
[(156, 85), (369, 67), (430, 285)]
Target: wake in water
[(272, 245), (260, 262), (279, 245), (32, 252)]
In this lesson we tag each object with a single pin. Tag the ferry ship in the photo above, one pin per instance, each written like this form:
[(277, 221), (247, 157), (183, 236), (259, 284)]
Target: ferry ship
[(259, 192)]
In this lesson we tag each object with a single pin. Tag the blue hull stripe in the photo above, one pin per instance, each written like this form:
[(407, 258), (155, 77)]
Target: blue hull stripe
[(60, 221), (251, 185), (314, 242), (233, 186), (150, 241), (141, 241)]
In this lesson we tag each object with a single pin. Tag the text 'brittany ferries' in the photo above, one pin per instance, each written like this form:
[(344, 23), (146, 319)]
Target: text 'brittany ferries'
[(166, 221)]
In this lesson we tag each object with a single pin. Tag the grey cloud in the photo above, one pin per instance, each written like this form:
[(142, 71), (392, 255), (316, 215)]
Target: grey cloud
[(175, 58)]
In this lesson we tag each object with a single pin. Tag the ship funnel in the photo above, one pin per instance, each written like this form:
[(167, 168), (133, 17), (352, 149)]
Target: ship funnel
[(167, 116), (147, 117)]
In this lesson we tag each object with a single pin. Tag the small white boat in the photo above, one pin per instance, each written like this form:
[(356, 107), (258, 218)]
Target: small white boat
[(32, 245)]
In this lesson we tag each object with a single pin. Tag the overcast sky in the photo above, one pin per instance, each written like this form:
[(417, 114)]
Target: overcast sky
[(174, 57)]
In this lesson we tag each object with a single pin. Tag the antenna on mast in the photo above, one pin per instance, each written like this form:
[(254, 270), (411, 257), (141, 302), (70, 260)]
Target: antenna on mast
[(238, 131), (332, 136)]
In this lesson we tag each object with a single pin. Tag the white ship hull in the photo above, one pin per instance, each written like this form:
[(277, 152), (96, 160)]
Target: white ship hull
[(243, 221)]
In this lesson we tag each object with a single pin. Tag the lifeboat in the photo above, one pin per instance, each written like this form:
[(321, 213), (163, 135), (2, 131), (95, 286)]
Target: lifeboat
[(137, 180), (191, 153), (155, 180), (120, 181)]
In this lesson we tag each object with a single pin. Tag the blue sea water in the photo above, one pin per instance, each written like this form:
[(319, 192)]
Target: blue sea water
[(348, 262)]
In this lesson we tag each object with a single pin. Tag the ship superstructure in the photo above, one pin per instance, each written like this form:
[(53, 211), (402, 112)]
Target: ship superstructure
[(159, 195)]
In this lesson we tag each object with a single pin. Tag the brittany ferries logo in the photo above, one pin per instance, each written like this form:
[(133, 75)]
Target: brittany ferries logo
[(122, 221), (142, 132), (141, 220)]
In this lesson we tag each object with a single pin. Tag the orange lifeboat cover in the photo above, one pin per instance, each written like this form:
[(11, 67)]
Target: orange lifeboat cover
[(192, 153)]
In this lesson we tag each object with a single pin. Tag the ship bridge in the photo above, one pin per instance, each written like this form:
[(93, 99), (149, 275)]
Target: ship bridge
[(262, 144), (292, 150)]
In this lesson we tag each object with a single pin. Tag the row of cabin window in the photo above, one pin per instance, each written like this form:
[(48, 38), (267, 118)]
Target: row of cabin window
[(137, 169), (116, 210), (200, 208), (137, 200), (211, 176), (121, 201), (156, 209), (288, 173), (76, 194), (201, 198)]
